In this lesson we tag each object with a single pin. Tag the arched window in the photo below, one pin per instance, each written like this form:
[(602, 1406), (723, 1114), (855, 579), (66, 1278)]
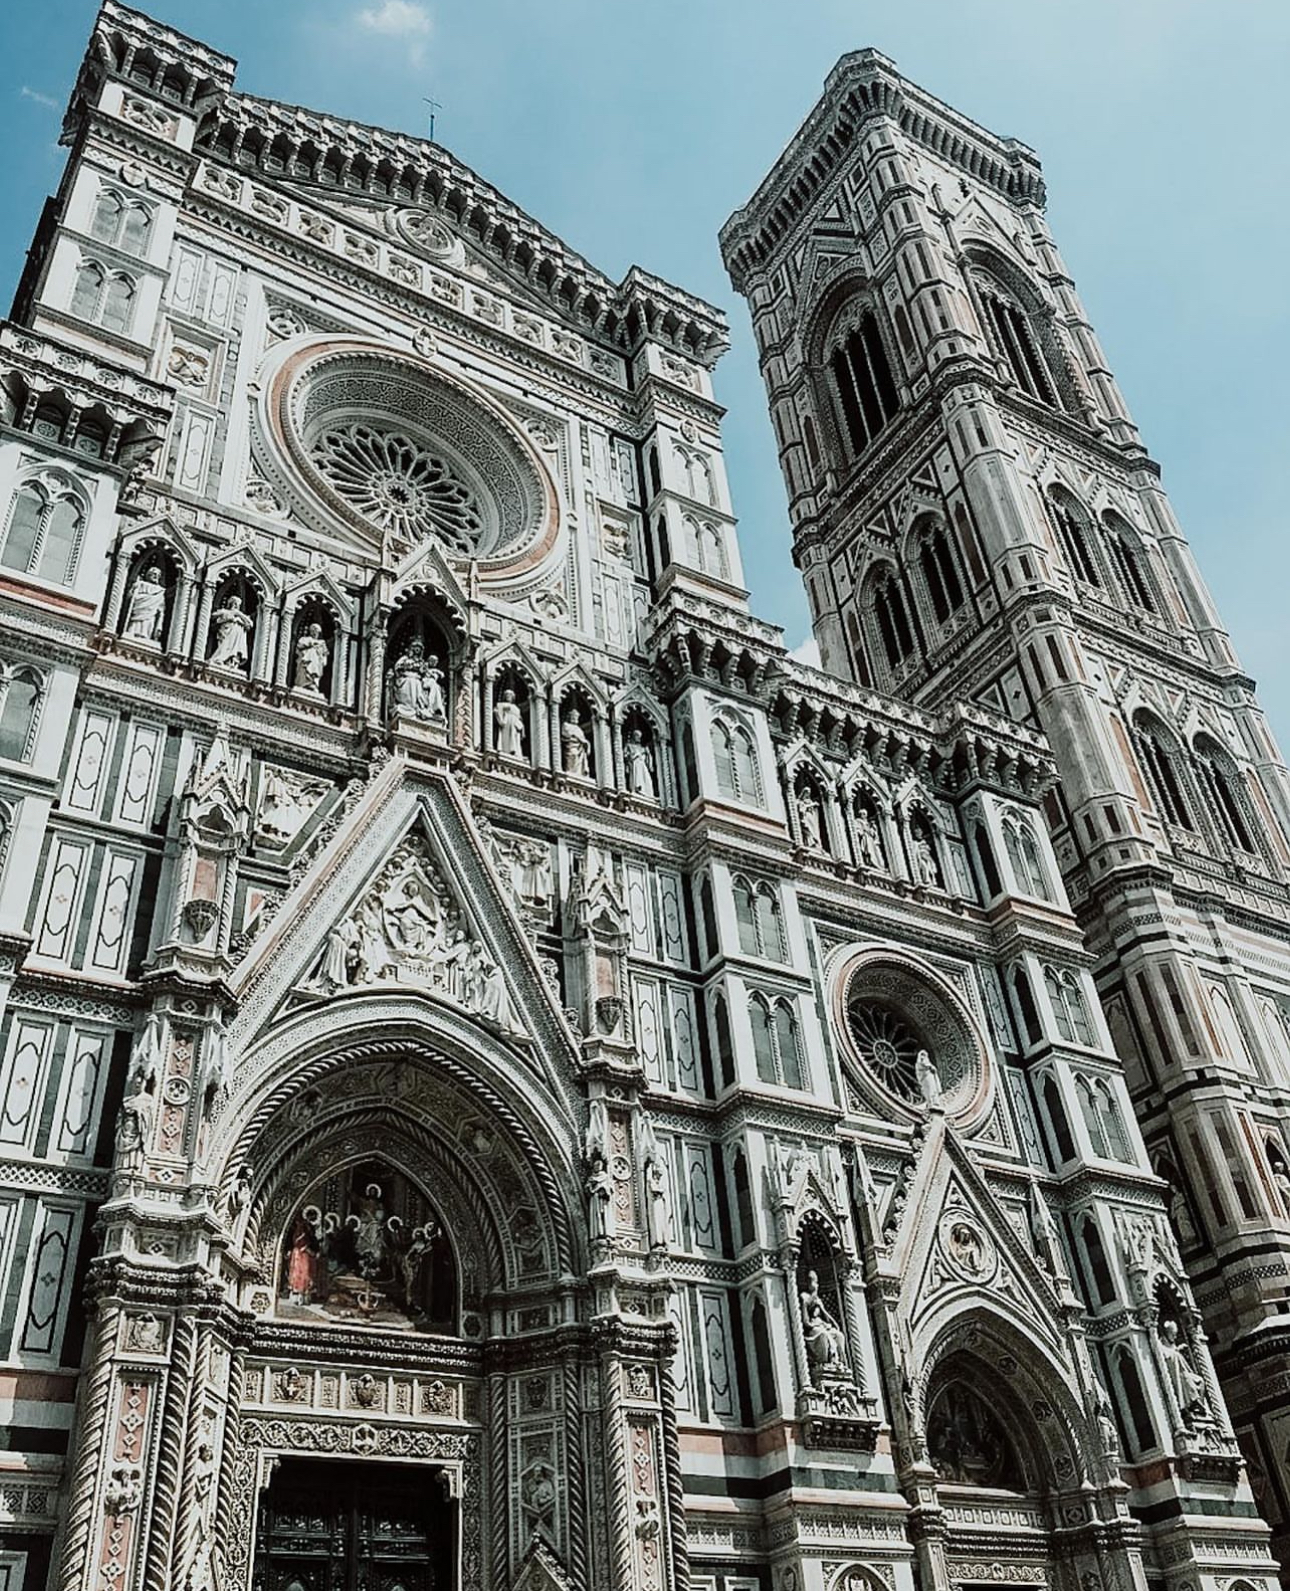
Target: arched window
[(725, 1044), (43, 536), (707, 548), (744, 1215), (1221, 787), (1159, 760), (985, 860), (109, 211), (1117, 1139), (1135, 1401), (124, 223), (118, 303), (135, 228), (770, 926), (788, 1045), (1023, 854), (20, 694), (891, 609), (736, 761), (1102, 1284), (1024, 341), (763, 1040), (1073, 533), (745, 917), (863, 381), (1059, 1126), (708, 912), (1024, 997), (1129, 562), (1069, 1010), (766, 1395), (87, 291), (940, 573), (1088, 1105)]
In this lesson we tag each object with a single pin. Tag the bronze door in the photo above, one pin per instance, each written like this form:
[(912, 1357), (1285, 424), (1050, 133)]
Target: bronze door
[(327, 1526)]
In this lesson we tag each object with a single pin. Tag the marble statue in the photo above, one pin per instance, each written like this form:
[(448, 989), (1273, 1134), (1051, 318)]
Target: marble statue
[(576, 747), (147, 610), (928, 1078), (826, 1343), (638, 763), (808, 815), (312, 656), (1186, 1387), (868, 840), (508, 723), (232, 627), (925, 868), (418, 684)]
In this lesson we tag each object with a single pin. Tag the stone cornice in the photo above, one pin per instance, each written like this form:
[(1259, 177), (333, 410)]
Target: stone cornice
[(862, 85)]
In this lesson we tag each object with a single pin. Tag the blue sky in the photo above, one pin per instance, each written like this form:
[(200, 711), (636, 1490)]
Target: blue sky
[(633, 131)]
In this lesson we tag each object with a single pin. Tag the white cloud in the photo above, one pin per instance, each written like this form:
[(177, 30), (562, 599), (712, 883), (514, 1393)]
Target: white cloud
[(399, 19), (808, 652), (40, 99)]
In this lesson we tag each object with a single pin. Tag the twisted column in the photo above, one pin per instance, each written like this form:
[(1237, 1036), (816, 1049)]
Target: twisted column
[(91, 1425)]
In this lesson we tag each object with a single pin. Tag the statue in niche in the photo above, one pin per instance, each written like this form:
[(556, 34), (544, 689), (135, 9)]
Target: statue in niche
[(146, 613), (927, 1076), (926, 869), (808, 816), (1186, 1387), (868, 840), (367, 1247), (1180, 1216), (658, 1212), (232, 627), (508, 723), (134, 1125), (600, 1201), (826, 1342), (638, 762), (966, 1443), (418, 684), (576, 747), (312, 657)]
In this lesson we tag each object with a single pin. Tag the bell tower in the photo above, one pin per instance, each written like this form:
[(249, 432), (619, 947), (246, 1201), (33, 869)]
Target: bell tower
[(977, 519)]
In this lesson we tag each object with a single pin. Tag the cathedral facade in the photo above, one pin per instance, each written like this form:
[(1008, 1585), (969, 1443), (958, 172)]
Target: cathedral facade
[(508, 1080)]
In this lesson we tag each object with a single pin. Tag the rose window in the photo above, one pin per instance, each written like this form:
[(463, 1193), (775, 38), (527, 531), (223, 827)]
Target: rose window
[(399, 484), (887, 1045), (402, 455)]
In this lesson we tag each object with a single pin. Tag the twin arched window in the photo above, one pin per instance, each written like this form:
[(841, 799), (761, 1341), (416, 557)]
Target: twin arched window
[(103, 297), (1023, 853), (707, 548), (761, 930), (1078, 538), (1103, 1120), (1069, 1010), (777, 1050), (21, 690), (124, 223), (735, 757), (43, 536), (863, 381)]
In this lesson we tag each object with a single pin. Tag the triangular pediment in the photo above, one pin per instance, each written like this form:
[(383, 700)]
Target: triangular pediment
[(405, 900), (541, 1570), (956, 1245)]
